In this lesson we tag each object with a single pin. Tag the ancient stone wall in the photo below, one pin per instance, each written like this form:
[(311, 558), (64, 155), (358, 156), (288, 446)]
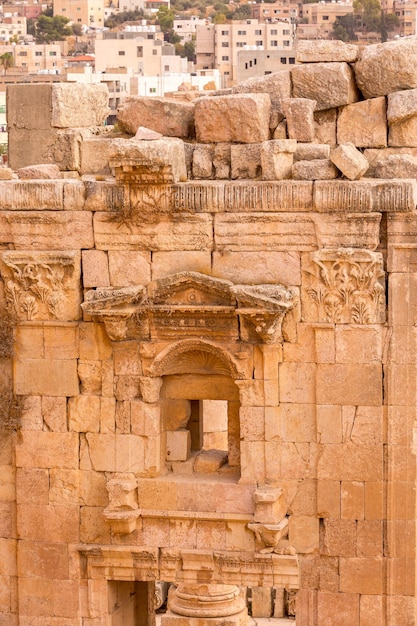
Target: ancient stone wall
[(218, 377)]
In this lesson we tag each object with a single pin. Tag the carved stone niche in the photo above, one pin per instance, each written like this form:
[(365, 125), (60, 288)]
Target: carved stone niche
[(190, 304), (42, 285), (344, 286)]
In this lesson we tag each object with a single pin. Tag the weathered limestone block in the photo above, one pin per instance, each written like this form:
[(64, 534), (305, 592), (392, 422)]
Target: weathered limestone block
[(84, 414), (52, 377), (148, 162), (330, 84), (76, 105), (209, 461), (95, 269), (219, 119), (366, 195), (387, 67), (326, 285), (349, 161), (178, 445), (280, 131), (322, 50), (403, 133), (325, 124), (364, 124), (300, 118), (245, 160), (6, 173), (42, 171), (288, 232), (311, 151), (374, 156), (317, 169), (169, 117), (277, 85), (33, 195), (122, 490), (42, 285), (55, 145), (203, 161), (277, 157), (49, 230), (401, 106), (396, 166), (185, 232), (222, 160), (45, 450), (129, 268), (94, 155)]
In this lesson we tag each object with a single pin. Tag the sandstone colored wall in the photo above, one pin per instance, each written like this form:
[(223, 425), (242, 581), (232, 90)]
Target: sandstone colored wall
[(291, 302)]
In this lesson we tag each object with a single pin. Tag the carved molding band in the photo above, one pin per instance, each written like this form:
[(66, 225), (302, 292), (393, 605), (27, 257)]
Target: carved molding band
[(189, 304), (344, 286)]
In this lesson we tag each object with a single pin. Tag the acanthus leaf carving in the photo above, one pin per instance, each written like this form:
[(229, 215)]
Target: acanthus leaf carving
[(344, 286), (42, 285)]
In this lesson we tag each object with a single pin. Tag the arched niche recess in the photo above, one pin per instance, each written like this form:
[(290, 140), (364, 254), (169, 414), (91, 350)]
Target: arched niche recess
[(197, 337)]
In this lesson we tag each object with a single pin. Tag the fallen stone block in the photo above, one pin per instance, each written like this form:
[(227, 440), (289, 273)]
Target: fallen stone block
[(330, 84), (349, 161), (374, 156), (319, 169), (403, 134), (401, 106), (240, 118), (325, 124), (321, 50), (396, 166), (203, 161), (245, 160), (221, 160), (277, 158), (311, 151), (209, 461), (6, 173), (364, 124), (148, 162), (42, 171), (387, 67), (171, 118), (300, 119), (277, 85)]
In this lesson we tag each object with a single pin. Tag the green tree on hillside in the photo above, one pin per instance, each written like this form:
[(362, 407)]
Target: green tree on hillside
[(50, 29), (6, 61)]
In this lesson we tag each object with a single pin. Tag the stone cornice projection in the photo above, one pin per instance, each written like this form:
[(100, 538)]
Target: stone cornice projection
[(189, 304)]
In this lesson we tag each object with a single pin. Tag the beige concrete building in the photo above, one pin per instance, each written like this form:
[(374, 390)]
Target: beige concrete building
[(146, 53), (407, 16), (275, 10), (83, 12), (251, 63), (222, 43), (33, 58), (324, 14)]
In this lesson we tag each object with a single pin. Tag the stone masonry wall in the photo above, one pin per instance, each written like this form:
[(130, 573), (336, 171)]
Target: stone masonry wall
[(283, 291)]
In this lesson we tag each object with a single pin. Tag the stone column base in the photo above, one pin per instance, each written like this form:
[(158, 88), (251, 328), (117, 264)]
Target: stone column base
[(173, 619)]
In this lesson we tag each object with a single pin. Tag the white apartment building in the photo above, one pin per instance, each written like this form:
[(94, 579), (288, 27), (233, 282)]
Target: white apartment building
[(145, 53), (14, 26), (187, 28), (227, 40)]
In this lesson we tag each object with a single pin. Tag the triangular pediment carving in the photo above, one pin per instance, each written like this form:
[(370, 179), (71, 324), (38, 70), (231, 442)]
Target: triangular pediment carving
[(190, 304)]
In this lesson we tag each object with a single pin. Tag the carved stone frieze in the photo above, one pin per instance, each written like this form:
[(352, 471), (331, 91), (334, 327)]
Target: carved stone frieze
[(42, 285), (189, 304), (344, 286)]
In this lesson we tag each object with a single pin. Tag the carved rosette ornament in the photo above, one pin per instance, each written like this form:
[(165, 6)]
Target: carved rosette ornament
[(344, 286), (189, 304), (42, 285)]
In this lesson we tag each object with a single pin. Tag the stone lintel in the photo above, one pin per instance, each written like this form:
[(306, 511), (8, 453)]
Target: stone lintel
[(365, 195)]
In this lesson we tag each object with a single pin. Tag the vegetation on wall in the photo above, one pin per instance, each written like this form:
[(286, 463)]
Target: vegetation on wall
[(10, 404)]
